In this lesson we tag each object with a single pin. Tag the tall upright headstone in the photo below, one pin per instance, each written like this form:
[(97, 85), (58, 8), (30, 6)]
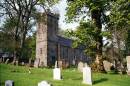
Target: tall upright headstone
[(128, 64), (56, 64), (87, 76), (56, 72)]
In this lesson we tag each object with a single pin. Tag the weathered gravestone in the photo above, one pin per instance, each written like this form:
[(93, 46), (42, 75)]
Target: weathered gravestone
[(56, 64), (36, 63), (7, 61), (87, 76), (128, 64), (9, 83), (60, 64), (56, 72), (64, 64), (85, 65), (119, 67), (73, 62), (107, 65), (80, 66), (44, 83), (17, 62), (0, 60), (22, 63), (13, 63)]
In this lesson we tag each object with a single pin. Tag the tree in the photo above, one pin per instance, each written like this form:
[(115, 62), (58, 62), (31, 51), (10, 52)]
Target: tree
[(96, 10), (8, 35), (65, 33), (118, 25), (119, 22), (22, 13)]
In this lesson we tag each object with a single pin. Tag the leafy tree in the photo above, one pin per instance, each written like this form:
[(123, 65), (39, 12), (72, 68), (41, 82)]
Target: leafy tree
[(96, 10), (20, 16), (31, 45), (65, 33), (119, 23)]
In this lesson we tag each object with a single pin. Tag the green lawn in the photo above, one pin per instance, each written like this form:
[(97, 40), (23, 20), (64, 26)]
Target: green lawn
[(71, 77)]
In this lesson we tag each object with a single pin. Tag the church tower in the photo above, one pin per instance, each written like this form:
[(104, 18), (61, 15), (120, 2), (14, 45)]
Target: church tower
[(47, 28)]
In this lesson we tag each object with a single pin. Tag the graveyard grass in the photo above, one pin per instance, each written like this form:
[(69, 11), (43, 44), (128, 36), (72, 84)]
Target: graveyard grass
[(71, 77)]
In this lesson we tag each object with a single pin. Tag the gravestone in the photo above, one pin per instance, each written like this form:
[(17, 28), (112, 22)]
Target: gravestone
[(56, 64), (80, 66), (60, 64), (17, 62), (66, 64), (22, 63), (0, 60), (13, 63), (73, 62), (63, 64), (7, 61), (85, 65), (9, 83), (36, 63), (44, 83), (87, 76), (107, 65), (128, 64), (119, 67), (56, 72)]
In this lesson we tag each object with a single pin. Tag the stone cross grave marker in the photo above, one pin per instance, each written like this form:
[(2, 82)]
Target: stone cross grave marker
[(9, 83), (87, 76)]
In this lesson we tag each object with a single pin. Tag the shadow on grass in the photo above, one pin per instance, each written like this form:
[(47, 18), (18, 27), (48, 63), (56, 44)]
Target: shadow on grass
[(77, 78), (100, 80), (2, 83)]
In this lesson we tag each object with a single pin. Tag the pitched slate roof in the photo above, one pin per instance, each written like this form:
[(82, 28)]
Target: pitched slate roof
[(65, 41)]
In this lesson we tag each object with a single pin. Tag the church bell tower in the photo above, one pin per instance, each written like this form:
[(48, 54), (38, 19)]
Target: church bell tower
[(47, 28)]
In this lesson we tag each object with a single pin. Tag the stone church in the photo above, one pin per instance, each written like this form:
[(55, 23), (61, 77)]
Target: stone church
[(50, 47)]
